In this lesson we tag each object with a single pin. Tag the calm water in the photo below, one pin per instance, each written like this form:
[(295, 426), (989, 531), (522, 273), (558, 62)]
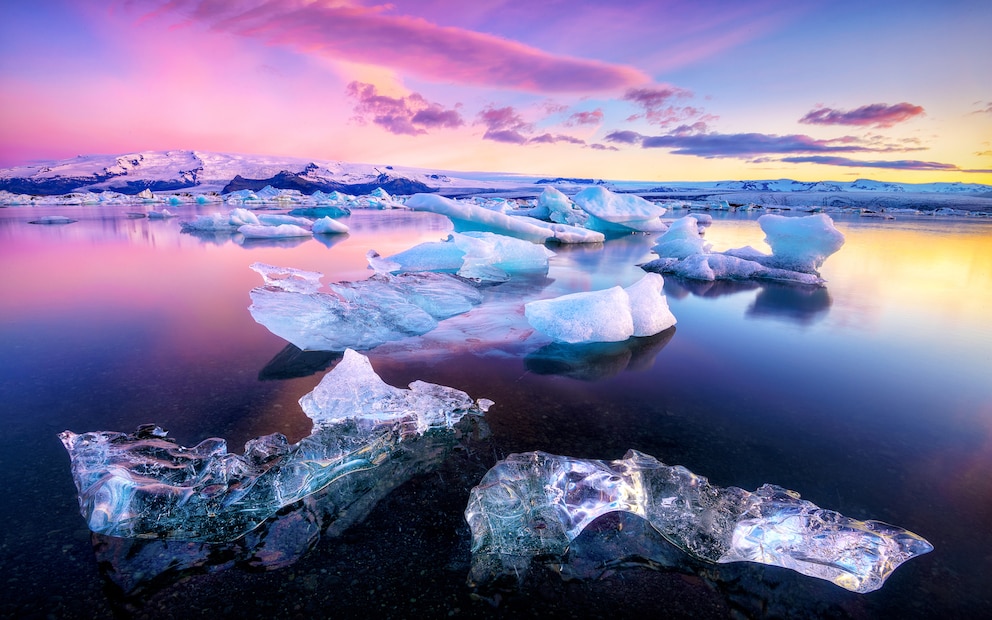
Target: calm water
[(872, 397)]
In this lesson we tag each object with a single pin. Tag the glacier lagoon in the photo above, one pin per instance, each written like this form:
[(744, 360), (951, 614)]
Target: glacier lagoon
[(869, 396)]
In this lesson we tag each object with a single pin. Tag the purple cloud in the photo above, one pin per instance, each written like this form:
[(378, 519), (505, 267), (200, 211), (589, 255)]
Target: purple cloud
[(593, 117), (624, 137), (603, 147), (749, 145), (411, 115), (903, 164), (547, 138), (658, 103), (371, 35), (504, 125), (986, 110), (876, 114)]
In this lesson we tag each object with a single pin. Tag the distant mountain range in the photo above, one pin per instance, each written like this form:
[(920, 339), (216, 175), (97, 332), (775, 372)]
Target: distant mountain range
[(203, 172)]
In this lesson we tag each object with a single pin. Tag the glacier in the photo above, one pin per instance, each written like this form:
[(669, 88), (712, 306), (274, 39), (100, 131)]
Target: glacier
[(799, 246), (533, 505), (355, 315), (143, 485), (609, 315)]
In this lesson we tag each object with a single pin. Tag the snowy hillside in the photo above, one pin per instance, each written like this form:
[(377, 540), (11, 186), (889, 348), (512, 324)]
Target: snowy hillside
[(200, 172)]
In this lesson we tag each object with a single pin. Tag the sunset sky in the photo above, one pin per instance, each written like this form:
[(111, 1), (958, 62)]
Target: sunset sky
[(675, 90)]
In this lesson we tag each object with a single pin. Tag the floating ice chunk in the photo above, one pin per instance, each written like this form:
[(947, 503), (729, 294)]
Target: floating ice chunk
[(144, 485), (53, 219), (251, 231), (473, 254), (560, 209), (470, 217), (649, 307), (164, 214), (221, 222), (358, 315), (328, 226), (610, 315), (536, 503), (289, 279), (800, 243), (682, 239), (275, 219), (619, 212)]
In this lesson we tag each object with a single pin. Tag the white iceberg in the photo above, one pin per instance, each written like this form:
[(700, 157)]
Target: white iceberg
[(253, 231), (221, 222), (610, 315), (470, 217), (799, 247), (560, 209), (797, 243), (144, 485), (473, 254), (328, 226), (612, 212), (356, 315), (536, 504), (682, 239)]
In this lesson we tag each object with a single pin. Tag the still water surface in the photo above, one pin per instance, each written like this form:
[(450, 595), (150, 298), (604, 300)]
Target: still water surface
[(871, 396)]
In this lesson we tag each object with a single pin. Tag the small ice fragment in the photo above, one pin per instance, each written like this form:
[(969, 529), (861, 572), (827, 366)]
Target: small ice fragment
[(251, 231)]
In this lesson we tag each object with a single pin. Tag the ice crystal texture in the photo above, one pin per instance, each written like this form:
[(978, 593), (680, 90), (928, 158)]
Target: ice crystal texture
[(144, 485), (535, 504)]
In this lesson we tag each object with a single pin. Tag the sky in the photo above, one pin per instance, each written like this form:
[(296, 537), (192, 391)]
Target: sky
[(666, 90)]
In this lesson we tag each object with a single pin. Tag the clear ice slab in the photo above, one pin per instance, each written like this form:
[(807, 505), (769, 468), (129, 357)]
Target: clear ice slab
[(535, 504), (355, 315), (143, 485)]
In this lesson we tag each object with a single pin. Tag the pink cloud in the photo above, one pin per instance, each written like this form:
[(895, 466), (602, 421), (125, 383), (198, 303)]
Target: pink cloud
[(875, 114), (372, 36), (658, 103), (593, 117), (411, 115)]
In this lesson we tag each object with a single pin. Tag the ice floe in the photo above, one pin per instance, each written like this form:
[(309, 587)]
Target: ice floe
[(355, 315), (143, 485), (466, 216), (610, 315), (472, 254), (535, 504), (612, 212), (799, 245)]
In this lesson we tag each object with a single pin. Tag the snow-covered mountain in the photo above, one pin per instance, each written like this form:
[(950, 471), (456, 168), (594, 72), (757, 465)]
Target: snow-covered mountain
[(203, 172)]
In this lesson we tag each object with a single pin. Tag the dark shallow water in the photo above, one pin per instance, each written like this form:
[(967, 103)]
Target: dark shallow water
[(871, 397)]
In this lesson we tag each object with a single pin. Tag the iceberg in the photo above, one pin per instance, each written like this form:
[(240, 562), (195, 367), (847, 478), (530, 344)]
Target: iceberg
[(470, 217), (328, 226), (610, 315), (221, 222), (264, 231), (355, 315), (611, 212), (143, 485), (535, 504), (799, 245), (479, 255)]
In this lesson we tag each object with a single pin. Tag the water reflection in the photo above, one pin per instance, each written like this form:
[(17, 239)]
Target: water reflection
[(798, 303), (600, 360), (292, 362)]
